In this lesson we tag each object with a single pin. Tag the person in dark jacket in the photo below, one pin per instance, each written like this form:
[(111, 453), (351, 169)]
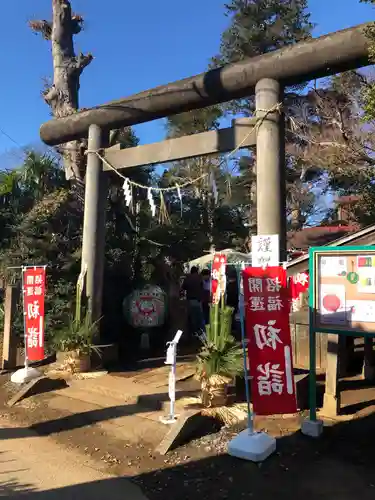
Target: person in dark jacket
[(206, 295), (193, 287), (232, 293)]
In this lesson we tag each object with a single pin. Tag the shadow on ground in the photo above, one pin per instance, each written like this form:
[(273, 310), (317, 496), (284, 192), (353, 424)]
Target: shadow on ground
[(338, 465), (115, 489), (145, 403)]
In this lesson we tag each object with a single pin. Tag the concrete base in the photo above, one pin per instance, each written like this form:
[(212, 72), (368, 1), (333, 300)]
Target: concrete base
[(38, 385), (331, 405), (168, 420), (187, 425), (255, 447), (312, 428), (25, 375)]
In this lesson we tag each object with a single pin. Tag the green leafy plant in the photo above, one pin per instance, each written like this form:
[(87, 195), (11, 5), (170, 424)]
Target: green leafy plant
[(77, 336), (220, 358), (79, 333)]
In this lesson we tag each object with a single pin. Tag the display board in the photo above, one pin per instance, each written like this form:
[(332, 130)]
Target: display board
[(342, 291)]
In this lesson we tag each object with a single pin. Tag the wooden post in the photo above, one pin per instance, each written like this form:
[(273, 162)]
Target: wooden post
[(12, 294), (270, 162), (93, 244), (332, 399), (368, 370)]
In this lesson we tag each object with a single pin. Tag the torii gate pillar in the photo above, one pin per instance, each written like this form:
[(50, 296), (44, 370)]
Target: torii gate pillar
[(270, 161), (93, 242)]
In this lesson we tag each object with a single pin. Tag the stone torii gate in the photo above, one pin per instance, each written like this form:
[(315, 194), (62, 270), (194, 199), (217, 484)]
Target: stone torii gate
[(266, 76)]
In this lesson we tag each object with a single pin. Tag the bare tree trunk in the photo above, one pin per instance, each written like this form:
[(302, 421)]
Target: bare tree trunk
[(62, 95)]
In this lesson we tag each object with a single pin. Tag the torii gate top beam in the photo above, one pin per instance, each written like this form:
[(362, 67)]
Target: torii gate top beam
[(316, 58)]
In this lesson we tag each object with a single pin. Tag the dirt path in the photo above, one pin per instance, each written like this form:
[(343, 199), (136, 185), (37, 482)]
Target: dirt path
[(37, 467), (340, 465)]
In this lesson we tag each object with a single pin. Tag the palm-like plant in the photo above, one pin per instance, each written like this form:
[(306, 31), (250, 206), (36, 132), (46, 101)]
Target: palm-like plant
[(76, 339), (220, 358), (41, 174), (76, 336), (10, 189)]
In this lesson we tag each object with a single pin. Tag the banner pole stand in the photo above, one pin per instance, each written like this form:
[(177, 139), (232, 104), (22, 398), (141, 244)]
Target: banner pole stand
[(248, 444), (27, 373)]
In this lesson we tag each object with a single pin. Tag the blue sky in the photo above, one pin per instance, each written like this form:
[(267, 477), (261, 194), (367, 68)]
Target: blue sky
[(137, 45)]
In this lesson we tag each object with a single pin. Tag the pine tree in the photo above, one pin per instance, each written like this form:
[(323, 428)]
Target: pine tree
[(258, 27), (199, 194), (199, 221)]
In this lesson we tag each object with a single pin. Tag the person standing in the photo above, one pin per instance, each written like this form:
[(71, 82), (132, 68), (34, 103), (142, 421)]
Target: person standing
[(193, 287), (206, 295), (232, 294)]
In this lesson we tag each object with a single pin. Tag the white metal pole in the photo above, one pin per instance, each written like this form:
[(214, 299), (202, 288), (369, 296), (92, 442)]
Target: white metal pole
[(26, 362), (173, 384)]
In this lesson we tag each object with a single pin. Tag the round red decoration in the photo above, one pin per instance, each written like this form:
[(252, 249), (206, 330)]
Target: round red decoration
[(331, 303)]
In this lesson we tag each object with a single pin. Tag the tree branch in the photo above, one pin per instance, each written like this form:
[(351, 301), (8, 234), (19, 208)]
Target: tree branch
[(43, 27), (80, 62), (77, 24), (50, 94)]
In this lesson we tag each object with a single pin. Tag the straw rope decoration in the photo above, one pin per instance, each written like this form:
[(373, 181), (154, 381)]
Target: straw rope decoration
[(129, 185)]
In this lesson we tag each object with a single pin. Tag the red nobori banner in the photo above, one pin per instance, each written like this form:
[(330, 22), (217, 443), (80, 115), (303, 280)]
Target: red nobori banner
[(267, 307), (298, 284), (218, 278), (34, 286)]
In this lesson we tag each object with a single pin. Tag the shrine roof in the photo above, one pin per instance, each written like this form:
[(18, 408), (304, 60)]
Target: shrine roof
[(365, 236)]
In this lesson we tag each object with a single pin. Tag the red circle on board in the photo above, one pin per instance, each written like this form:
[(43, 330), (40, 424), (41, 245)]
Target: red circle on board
[(331, 303)]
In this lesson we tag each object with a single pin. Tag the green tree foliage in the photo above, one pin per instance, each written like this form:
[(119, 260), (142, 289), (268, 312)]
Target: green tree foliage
[(334, 136), (41, 214), (369, 92), (215, 222), (257, 27), (41, 222), (39, 225)]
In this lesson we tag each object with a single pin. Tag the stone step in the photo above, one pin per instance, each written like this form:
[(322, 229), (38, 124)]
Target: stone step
[(81, 393), (122, 387), (112, 387), (158, 377), (116, 421), (147, 399), (154, 406), (160, 402), (117, 406)]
